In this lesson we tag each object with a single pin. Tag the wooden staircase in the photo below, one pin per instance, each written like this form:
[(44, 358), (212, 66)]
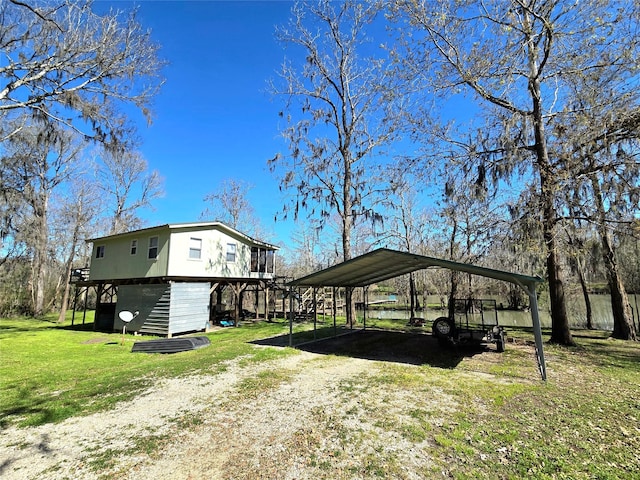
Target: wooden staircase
[(323, 304)]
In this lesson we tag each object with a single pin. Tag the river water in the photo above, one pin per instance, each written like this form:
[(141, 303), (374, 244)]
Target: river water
[(600, 305)]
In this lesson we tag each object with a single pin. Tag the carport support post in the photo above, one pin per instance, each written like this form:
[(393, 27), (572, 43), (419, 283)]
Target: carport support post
[(315, 311), (335, 312), (291, 316), (365, 291), (537, 330)]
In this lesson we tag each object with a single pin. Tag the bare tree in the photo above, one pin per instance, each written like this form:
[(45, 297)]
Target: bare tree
[(305, 254), (406, 228), (66, 64), (37, 161), (67, 75), (229, 204), (76, 216), (517, 59), (335, 114), (622, 319), (128, 186)]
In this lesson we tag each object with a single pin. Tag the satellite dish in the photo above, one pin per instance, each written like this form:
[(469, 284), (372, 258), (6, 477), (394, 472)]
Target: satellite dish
[(126, 316)]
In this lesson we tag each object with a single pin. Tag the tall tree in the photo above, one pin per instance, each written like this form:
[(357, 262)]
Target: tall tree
[(577, 252), (335, 113), (128, 186), (622, 318), (76, 215), (517, 59), (600, 152), (64, 63), (68, 75), (405, 228), (229, 204), (37, 161)]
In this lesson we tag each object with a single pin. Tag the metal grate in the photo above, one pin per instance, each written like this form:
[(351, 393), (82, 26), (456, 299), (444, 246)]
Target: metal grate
[(171, 345)]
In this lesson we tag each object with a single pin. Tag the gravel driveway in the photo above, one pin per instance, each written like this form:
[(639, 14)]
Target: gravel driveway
[(304, 416)]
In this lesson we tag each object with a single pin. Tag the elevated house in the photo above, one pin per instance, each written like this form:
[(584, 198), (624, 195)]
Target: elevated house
[(173, 275)]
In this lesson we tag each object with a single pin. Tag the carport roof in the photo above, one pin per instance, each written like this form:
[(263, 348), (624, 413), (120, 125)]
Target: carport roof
[(384, 263)]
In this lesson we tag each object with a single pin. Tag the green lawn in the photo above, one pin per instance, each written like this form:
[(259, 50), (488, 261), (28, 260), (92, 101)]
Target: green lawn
[(53, 371), (500, 420)]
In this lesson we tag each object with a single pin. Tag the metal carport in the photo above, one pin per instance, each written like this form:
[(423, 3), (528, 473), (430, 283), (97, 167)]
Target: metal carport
[(384, 263)]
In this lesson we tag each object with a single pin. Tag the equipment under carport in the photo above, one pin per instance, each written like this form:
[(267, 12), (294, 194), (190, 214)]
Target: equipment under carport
[(171, 345), (472, 321)]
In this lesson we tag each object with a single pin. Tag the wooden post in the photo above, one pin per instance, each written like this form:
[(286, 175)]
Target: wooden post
[(238, 288), (256, 303), (84, 310), (99, 290)]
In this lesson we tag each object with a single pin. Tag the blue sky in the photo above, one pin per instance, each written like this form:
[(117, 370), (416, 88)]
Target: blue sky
[(214, 118)]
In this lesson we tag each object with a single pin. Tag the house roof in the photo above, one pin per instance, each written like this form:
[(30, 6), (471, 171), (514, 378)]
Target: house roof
[(384, 263), (185, 226)]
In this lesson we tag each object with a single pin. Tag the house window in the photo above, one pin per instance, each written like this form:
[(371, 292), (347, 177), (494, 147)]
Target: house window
[(231, 252), (134, 247), (195, 248), (153, 248), (254, 259), (100, 251), (262, 260), (270, 261)]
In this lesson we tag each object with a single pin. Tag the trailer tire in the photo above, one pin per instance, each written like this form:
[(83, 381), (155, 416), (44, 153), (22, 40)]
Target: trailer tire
[(442, 328)]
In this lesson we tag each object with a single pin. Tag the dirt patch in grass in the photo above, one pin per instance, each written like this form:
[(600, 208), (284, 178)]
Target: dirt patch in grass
[(94, 341)]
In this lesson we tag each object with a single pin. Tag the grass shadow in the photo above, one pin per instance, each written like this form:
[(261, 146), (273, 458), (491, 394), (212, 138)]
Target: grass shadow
[(22, 325), (607, 352), (79, 327)]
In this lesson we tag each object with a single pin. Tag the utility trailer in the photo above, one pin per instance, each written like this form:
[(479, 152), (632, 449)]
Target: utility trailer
[(472, 321)]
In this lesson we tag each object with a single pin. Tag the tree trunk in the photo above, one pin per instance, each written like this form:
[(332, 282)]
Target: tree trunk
[(67, 273), (39, 267), (412, 295), (578, 248), (453, 290), (560, 332), (585, 295), (65, 294), (622, 318), (347, 225)]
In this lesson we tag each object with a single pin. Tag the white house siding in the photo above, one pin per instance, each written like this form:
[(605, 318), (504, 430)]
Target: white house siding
[(189, 310), (173, 259), (213, 256)]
